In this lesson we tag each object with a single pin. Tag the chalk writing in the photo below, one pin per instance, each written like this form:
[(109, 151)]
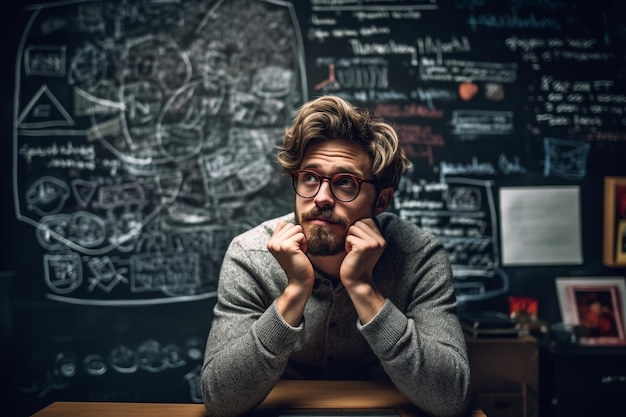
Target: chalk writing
[(459, 71), (418, 141), (379, 8), (439, 48), (45, 60), (461, 213), (476, 122), (389, 48), (522, 15), (475, 168), (594, 107)]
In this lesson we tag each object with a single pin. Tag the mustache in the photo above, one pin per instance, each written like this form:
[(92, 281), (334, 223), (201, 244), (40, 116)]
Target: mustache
[(326, 214)]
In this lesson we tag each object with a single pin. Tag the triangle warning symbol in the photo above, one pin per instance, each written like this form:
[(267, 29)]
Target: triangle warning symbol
[(44, 110)]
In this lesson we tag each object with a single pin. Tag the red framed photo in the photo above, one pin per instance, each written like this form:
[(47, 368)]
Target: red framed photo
[(595, 305)]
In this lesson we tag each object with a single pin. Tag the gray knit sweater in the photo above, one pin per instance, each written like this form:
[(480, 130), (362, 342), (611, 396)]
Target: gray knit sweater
[(415, 340)]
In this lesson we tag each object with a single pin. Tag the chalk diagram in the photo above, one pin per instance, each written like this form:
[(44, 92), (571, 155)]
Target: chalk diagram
[(148, 357), (144, 137)]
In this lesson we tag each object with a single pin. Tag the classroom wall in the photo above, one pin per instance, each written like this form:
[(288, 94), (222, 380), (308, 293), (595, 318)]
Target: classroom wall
[(140, 138)]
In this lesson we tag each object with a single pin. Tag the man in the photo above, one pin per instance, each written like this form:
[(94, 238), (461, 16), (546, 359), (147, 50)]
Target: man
[(339, 289)]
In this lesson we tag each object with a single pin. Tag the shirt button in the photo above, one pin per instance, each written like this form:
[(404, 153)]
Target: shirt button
[(332, 325)]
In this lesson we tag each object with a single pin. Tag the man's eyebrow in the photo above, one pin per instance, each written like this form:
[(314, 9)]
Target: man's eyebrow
[(310, 166), (347, 170), (340, 170)]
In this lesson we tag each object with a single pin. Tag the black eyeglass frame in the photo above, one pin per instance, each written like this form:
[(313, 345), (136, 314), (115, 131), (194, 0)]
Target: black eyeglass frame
[(360, 180)]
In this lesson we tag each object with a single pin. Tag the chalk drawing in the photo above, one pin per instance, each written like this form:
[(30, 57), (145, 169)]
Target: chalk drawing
[(144, 137)]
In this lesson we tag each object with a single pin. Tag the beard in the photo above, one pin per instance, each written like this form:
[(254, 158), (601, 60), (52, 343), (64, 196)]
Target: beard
[(320, 240)]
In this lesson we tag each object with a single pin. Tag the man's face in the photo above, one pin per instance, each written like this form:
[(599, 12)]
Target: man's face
[(324, 219)]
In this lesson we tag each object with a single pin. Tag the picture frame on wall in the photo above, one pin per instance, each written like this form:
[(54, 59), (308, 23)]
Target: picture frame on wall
[(596, 307), (614, 246)]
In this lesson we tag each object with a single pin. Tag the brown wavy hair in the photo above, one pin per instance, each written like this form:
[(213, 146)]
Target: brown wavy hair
[(332, 118)]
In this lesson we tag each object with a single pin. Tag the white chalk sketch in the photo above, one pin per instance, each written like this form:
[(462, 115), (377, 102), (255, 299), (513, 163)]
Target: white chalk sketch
[(150, 356), (106, 275), (63, 273), (47, 195), (144, 139), (94, 364), (195, 384), (565, 158), (44, 110)]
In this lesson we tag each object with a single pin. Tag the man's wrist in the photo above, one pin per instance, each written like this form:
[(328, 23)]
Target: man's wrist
[(291, 303), (366, 300)]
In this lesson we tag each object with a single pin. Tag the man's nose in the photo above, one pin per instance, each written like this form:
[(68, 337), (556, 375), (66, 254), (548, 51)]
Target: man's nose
[(324, 197)]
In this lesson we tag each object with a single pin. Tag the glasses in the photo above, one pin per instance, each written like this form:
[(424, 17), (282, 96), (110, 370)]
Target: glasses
[(344, 187)]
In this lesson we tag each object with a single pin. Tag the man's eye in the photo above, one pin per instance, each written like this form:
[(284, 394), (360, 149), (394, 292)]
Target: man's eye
[(345, 182), (309, 178)]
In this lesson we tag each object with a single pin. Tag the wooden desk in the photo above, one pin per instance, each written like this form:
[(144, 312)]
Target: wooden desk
[(287, 395)]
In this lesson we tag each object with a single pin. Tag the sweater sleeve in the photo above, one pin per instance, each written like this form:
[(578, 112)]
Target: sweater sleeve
[(249, 343), (423, 349)]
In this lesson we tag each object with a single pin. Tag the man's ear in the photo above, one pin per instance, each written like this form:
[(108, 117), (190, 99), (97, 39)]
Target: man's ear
[(383, 201)]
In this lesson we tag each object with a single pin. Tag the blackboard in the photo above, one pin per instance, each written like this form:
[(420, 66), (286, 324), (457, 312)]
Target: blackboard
[(143, 135)]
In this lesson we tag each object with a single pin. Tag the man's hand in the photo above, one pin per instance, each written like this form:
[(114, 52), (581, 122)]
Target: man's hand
[(288, 245), (364, 247)]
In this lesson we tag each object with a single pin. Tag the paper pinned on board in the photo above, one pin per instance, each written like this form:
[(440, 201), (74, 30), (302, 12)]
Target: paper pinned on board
[(540, 225)]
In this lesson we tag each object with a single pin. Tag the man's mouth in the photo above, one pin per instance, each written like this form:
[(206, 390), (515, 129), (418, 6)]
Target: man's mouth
[(323, 218), (321, 221)]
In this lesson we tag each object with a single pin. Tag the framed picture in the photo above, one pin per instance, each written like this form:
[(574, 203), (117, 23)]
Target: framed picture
[(595, 305), (614, 247)]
